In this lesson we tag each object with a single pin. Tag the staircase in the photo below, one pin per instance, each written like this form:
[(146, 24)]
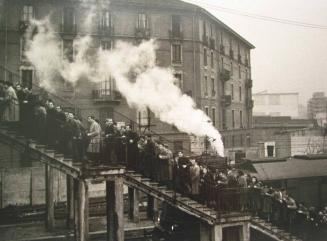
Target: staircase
[(135, 180)]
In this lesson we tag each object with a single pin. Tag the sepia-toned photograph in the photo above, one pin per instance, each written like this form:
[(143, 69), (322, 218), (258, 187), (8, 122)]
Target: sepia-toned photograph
[(163, 120)]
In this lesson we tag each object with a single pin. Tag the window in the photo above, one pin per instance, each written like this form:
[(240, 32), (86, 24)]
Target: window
[(240, 93), (205, 57), (222, 63), (106, 45), (105, 20), (269, 149), (232, 91), (231, 68), (105, 87), (23, 49), (28, 13), (211, 30), (206, 110), (204, 28), (142, 21), (213, 116), (68, 50), (177, 53), (241, 119), (239, 72), (274, 100), (213, 87), (27, 78), (233, 118), (178, 80), (205, 85), (144, 117), (176, 25), (178, 146), (212, 60), (68, 20)]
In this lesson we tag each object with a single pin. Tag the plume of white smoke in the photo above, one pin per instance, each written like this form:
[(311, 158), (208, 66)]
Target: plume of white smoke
[(137, 77), (154, 88), (44, 52)]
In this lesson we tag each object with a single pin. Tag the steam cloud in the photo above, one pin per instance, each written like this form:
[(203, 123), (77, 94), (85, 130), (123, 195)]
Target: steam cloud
[(136, 75)]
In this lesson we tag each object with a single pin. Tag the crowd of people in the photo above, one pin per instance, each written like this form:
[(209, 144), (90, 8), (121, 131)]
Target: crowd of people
[(225, 189)]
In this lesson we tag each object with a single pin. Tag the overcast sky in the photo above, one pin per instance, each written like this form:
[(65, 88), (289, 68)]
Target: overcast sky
[(286, 58)]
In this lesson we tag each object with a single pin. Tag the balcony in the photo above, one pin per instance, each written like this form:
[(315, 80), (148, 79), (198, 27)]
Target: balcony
[(249, 104), (105, 30), (23, 26), (225, 75), (142, 33), (226, 100), (212, 43), (205, 40), (176, 35), (248, 83), (106, 95), (68, 29), (222, 49)]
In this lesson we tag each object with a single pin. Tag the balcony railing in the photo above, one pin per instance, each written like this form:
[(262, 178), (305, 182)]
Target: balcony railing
[(68, 28), (23, 26), (142, 33), (225, 75), (248, 83), (106, 95), (177, 35), (226, 100), (249, 104), (212, 43), (105, 30)]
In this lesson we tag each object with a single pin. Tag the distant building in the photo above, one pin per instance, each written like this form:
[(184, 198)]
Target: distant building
[(276, 104), (317, 104), (304, 177)]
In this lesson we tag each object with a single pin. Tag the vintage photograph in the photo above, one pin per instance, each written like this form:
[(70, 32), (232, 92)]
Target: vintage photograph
[(163, 120)]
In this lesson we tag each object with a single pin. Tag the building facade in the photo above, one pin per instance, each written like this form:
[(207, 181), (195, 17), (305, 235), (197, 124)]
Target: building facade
[(211, 62), (276, 104)]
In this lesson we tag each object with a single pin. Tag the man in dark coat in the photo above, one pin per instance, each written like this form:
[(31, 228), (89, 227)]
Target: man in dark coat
[(60, 121), (22, 100), (111, 134), (132, 150), (51, 124)]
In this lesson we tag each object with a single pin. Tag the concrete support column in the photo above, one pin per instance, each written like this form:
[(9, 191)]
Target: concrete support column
[(81, 214), (49, 194), (211, 232), (152, 208), (133, 197), (70, 201), (245, 232), (115, 210)]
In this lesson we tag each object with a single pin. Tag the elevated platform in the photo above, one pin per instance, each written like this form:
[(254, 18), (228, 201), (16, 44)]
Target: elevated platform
[(57, 160)]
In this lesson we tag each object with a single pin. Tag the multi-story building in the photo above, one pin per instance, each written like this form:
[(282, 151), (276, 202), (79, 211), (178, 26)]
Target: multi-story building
[(211, 62), (276, 104), (317, 104)]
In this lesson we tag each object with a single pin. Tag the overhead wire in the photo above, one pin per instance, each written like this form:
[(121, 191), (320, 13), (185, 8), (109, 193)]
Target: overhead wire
[(258, 16)]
